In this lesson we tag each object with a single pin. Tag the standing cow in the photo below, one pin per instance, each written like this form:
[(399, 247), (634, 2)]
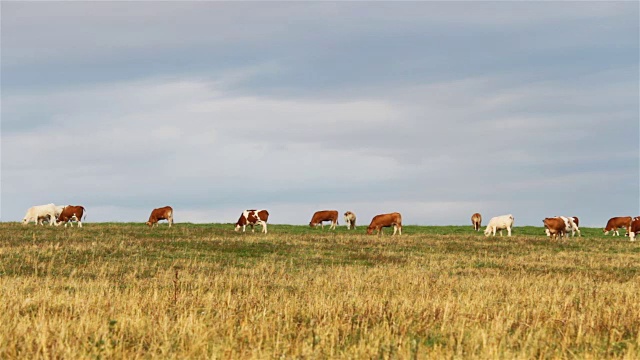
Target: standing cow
[(386, 220), (499, 223), (570, 225), (251, 218), (555, 227), (634, 228), (70, 213), (324, 215), (617, 222), (476, 221), (39, 213), (350, 219), (163, 213)]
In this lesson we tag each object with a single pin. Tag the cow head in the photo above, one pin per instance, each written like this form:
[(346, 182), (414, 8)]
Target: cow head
[(370, 230), (311, 224), (237, 227), (605, 231), (487, 231), (149, 223), (24, 221)]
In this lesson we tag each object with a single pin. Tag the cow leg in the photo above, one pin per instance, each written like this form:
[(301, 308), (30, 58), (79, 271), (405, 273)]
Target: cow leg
[(509, 231), (79, 223)]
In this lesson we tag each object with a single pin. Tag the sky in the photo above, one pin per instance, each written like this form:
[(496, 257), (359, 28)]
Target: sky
[(436, 110)]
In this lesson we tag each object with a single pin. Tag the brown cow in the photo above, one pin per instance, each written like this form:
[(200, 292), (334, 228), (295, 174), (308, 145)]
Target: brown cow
[(476, 221), (634, 228), (252, 217), (325, 215), (163, 213), (69, 214), (350, 219), (386, 220), (554, 227), (617, 222)]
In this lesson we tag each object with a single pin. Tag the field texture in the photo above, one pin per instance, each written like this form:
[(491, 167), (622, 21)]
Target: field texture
[(204, 291)]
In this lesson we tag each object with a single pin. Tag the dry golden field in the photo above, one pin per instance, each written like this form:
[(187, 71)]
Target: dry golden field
[(124, 291)]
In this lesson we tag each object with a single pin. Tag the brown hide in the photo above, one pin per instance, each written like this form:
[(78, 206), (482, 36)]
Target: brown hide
[(618, 222), (324, 215), (476, 221), (69, 211), (556, 226), (385, 220), (252, 217), (163, 213)]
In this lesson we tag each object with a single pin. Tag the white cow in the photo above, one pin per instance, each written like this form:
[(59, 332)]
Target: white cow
[(499, 223), (40, 212), (569, 224)]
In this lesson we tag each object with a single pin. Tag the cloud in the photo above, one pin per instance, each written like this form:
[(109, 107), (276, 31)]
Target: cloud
[(422, 108)]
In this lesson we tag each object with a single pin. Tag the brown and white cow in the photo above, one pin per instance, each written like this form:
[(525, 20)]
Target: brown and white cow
[(253, 217), (69, 214), (324, 215), (350, 219), (476, 221), (634, 228), (570, 225), (163, 213), (555, 227), (386, 220), (617, 222)]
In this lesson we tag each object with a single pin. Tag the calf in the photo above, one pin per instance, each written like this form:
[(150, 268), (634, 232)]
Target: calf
[(617, 222), (253, 217), (499, 223), (163, 213), (39, 213), (634, 228), (386, 220), (476, 221), (324, 215), (350, 219), (70, 213), (555, 226)]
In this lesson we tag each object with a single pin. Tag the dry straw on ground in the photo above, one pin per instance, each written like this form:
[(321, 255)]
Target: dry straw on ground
[(125, 291)]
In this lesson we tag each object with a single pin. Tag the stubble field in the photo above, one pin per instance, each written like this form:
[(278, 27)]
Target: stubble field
[(204, 291)]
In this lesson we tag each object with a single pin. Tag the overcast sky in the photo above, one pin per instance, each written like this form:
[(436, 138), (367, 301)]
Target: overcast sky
[(435, 110)]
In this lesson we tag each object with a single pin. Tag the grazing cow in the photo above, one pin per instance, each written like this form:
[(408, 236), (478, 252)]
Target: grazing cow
[(576, 220), (350, 219), (253, 217), (617, 222), (39, 213), (476, 221), (386, 220), (555, 226), (69, 214), (570, 225), (499, 223), (163, 213), (324, 215), (47, 218), (634, 228)]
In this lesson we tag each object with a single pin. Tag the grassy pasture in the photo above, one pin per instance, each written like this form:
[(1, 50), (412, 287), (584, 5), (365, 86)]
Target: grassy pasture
[(203, 291)]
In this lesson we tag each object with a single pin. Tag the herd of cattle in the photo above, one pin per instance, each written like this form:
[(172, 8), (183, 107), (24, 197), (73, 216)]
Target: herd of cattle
[(558, 226)]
